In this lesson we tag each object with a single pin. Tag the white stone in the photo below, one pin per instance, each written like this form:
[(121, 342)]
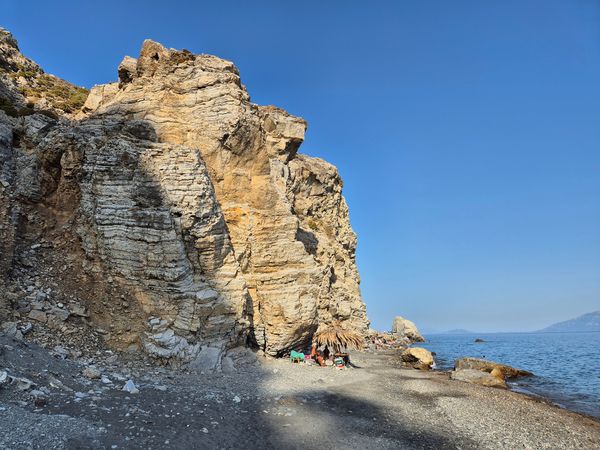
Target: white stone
[(130, 387)]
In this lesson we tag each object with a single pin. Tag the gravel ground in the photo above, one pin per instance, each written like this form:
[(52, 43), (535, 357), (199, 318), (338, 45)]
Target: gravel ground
[(271, 404)]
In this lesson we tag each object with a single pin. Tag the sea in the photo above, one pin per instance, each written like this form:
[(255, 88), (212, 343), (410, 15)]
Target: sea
[(566, 365)]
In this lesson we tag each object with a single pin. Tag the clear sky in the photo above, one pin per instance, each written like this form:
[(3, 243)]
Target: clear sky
[(467, 132)]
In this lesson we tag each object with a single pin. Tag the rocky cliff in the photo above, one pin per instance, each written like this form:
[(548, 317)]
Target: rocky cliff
[(169, 211)]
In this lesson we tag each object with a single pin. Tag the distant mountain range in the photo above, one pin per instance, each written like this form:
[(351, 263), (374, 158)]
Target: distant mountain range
[(586, 322)]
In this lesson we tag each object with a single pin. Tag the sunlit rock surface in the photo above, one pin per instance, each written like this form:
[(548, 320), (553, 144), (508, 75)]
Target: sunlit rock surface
[(187, 208)]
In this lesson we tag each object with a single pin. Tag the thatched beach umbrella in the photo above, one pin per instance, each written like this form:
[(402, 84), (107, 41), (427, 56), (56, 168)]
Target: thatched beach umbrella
[(336, 337)]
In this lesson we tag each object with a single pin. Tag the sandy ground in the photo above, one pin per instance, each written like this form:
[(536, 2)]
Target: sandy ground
[(272, 404)]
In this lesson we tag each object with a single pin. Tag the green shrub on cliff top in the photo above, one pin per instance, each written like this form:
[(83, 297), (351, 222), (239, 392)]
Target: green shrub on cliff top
[(59, 93)]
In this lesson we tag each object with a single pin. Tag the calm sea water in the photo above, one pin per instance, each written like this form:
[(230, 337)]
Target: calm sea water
[(566, 365)]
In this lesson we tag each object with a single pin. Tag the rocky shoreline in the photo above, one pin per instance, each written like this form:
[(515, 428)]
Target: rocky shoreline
[(521, 387), (489, 374), (266, 403)]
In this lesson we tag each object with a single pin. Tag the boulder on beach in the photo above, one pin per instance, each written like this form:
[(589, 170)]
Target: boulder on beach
[(417, 358), (496, 372), (489, 366), (406, 328), (478, 377)]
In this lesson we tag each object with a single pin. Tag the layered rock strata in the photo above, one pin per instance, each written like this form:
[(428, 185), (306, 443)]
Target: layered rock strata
[(188, 200)]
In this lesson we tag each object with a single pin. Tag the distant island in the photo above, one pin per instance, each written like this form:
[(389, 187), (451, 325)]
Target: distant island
[(458, 331), (455, 331), (586, 322)]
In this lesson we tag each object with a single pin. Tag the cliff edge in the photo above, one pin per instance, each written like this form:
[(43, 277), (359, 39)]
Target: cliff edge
[(170, 212)]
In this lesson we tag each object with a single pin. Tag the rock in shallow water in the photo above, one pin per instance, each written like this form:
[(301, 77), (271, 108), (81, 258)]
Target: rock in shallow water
[(489, 366), (417, 358), (477, 377), (485, 373)]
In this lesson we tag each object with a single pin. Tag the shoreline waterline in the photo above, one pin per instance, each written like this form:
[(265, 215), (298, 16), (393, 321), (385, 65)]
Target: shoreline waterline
[(562, 363)]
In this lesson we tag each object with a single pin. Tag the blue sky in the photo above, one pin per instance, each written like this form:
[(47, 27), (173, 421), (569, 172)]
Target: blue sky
[(467, 132)]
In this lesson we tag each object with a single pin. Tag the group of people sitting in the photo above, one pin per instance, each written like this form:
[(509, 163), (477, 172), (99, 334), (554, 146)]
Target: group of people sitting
[(322, 357), (319, 356)]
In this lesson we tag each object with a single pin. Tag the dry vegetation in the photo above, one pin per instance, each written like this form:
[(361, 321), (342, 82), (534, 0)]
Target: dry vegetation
[(39, 86), (59, 93), (337, 337)]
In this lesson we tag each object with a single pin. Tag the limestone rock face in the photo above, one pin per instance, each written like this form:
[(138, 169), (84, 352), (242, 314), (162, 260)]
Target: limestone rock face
[(174, 193), (405, 328), (287, 222), (149, 216)]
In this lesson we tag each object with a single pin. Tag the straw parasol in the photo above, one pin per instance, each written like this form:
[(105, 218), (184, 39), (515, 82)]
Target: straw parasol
[(336, 337)]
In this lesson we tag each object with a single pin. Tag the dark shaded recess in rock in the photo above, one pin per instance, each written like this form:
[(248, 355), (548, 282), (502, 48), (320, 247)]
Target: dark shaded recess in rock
[(308, 239)]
